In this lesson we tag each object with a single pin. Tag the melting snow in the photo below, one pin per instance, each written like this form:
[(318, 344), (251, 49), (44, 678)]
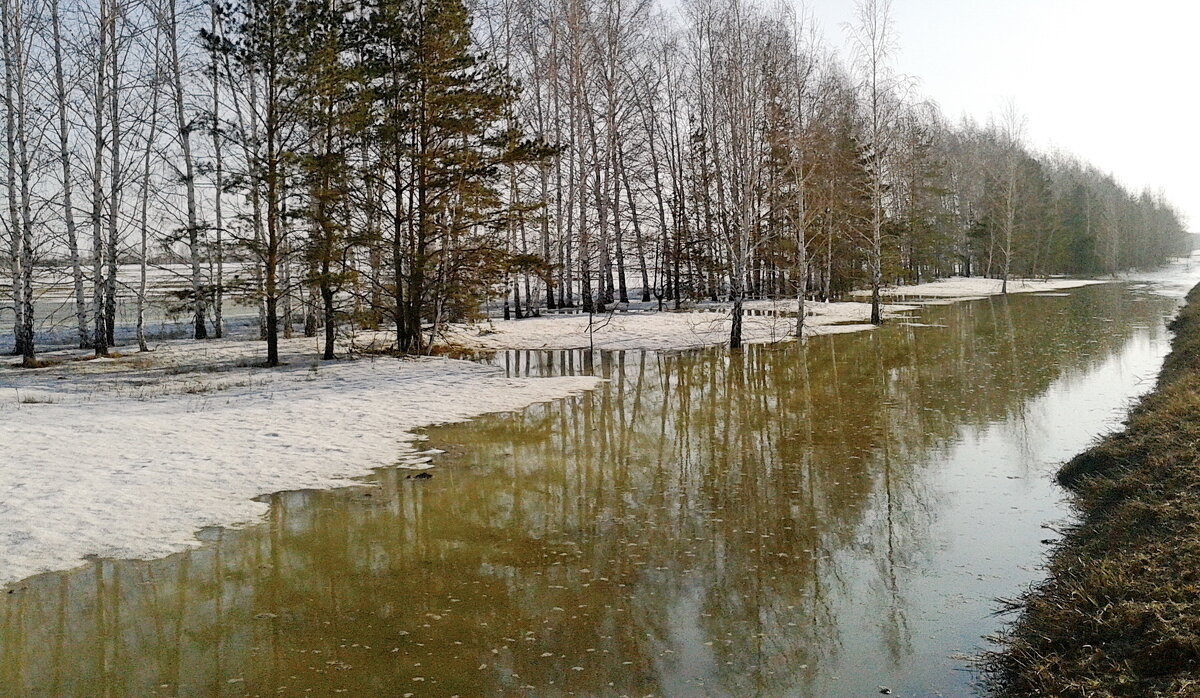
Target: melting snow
[(130, 458)]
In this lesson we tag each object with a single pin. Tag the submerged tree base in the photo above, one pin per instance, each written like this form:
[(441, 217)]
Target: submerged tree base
[(1119, 614)]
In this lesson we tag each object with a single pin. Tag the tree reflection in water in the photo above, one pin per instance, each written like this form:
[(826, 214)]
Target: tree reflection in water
[(771, 521)]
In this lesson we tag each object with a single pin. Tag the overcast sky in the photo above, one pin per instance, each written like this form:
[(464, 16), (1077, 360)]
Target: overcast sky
[(1113, 82)]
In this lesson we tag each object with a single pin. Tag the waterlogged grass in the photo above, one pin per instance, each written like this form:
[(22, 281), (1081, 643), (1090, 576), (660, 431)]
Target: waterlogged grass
[(1119, 614)]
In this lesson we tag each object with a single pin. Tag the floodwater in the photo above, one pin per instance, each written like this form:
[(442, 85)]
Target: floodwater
[(826, 519), (167, 312)]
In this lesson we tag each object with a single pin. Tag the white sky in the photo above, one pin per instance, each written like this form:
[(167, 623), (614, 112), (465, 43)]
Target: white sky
[(1110, 81)]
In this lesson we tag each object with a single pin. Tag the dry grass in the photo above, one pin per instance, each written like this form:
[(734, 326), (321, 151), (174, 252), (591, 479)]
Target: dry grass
[(38, 363), (1119, 614), (27, 398)]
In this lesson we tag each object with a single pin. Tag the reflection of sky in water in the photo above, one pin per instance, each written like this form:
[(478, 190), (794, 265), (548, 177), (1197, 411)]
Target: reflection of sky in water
[(817, 521)]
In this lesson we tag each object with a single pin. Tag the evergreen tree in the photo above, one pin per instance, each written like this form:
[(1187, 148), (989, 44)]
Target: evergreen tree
[(332, 110), (441, 108)]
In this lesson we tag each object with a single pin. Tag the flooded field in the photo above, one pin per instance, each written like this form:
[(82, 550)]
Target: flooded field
[(828, 519), (167, 311)]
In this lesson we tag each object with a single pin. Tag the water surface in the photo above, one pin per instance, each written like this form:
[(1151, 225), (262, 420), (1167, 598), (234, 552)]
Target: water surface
[(821, 519)]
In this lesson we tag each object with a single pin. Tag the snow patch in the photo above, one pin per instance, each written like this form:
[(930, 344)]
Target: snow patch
[(130, 458), (707, 325), (964, 288)]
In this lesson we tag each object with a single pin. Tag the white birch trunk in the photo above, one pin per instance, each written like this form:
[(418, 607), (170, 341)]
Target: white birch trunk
[(189, 172), (10, 172), (60, 92), (99, 337)]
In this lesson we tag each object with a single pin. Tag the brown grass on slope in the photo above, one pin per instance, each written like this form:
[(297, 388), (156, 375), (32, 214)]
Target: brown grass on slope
[(1119, 614)]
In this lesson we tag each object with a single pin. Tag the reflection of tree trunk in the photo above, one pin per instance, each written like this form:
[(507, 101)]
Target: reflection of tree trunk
[(100, 620), (218, 592), (896, 620), (894, 628), (182, 577), (1016, 370), (58, 655), (275, 585)]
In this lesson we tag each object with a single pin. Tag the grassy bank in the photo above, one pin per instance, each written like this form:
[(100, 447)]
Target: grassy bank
[(1119, 614)]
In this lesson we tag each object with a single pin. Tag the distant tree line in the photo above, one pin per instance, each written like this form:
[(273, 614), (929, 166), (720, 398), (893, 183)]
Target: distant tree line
[(397, 163)]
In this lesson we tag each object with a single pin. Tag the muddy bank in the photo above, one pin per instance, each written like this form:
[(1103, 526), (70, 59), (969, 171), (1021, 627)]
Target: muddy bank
[(1119, 614)]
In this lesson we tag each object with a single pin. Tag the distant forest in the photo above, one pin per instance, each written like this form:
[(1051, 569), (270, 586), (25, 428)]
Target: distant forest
[(397, 163)]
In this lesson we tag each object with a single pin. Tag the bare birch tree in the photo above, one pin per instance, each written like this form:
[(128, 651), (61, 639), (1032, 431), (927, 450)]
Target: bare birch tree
[(184, 125), (18, 122), (872, 36), (1011, 131), (64, 155)]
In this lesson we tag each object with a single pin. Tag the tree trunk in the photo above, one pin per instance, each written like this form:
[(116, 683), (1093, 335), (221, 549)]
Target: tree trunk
[(219, 184), (16, 61), (637, 234), (114, 182), (99, 336), (735, 327), (14, 216), (328, 310), (199, 303), (144, 223), (64, 154)]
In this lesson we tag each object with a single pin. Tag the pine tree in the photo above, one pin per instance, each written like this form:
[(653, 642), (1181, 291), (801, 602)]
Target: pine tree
[(446, 141), (264, 47), (332, 113)]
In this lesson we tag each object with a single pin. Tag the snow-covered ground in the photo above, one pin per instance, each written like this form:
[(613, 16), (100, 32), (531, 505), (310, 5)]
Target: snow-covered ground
[(964, 288), (708, 325), (131, 457)]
